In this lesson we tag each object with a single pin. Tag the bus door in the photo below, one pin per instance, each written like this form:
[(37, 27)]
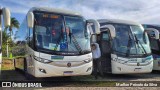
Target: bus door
[(105, 47)]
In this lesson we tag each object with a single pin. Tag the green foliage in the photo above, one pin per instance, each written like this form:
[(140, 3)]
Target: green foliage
[(14, 24), (6, 37), (18, 50)]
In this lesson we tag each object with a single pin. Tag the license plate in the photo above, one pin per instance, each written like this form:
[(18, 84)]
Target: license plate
[(137, 69), (67, 73)]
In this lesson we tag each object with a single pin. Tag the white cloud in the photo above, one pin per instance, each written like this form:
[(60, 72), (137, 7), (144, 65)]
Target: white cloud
[(144, 11)]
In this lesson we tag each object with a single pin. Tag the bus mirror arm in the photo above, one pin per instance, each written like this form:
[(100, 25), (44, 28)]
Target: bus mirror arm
[(96, 26), (156, 32)]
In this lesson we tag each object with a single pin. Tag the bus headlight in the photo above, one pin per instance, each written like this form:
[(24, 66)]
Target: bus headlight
[(42, 60), (87, 60)]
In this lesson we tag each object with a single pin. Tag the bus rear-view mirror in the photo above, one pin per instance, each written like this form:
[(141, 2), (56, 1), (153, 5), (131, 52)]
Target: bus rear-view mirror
[(30, 19), (154, 33), (111, 28), (6, 16), (95, 25), (93, 38)]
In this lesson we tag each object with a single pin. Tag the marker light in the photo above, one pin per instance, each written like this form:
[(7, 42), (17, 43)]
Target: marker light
[(42, 70)]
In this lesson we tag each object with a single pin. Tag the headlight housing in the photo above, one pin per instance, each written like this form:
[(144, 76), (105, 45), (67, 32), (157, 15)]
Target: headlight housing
[(42, 59), (87, 60)]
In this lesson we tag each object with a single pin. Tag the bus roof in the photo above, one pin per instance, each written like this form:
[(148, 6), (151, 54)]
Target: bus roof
[(156, 25), (55, 10), (118, 21)]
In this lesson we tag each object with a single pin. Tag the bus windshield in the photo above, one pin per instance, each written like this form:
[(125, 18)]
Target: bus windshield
[(61, 33), (131, 40)]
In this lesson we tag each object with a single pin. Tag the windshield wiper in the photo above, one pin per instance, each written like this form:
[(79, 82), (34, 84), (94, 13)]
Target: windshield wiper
[(76, 44), (129, 46), (138, 42)]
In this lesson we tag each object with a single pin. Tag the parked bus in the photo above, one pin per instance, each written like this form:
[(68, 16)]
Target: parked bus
[(5, 12), (125, 47), (57, 43), (155, 45)]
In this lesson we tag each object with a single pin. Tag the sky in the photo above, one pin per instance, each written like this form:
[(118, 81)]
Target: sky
[(143, 11)]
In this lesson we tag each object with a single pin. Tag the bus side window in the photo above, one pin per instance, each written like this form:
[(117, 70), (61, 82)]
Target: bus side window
[(105, 36)]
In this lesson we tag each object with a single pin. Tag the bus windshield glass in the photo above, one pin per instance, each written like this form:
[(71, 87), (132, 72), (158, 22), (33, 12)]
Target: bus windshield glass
[(60, 33), (78, 39), (131, 40)]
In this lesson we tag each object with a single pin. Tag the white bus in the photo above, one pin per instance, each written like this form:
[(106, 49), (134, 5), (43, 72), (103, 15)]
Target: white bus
[(5, 12), (155, 45), (58, 43), (124, 46)]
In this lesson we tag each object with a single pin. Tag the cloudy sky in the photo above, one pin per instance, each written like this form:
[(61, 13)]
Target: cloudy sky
[(143, 11)]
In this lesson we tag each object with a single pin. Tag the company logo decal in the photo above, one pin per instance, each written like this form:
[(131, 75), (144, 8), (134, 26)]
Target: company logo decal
[(69, 64)]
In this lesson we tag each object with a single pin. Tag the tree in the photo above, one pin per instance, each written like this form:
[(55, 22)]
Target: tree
[(5, 38), (14, 24)]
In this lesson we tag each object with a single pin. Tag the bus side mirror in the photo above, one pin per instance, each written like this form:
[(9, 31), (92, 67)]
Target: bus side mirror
[(6, 17), (111, 28), (155, 32), (93, 38), (96, 26), (30, 19)]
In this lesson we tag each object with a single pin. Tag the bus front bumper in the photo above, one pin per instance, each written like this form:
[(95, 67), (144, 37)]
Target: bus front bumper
[(118, 68), (47, 70)]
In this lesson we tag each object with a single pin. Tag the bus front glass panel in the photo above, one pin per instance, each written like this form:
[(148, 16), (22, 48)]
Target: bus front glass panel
[(77, 26), (142, 38), (51, 33), (130, 39)]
